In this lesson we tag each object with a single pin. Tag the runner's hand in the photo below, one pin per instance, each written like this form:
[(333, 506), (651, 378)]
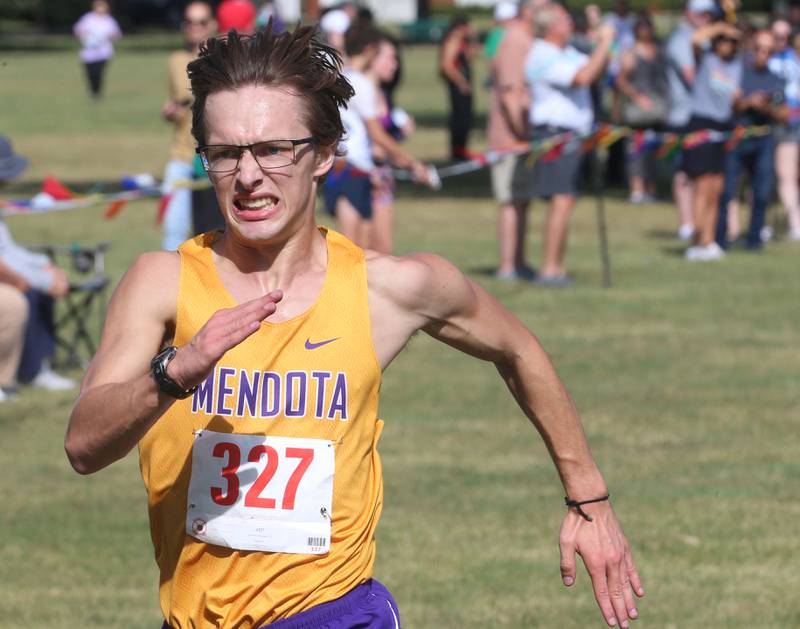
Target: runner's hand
[(225, 329), (607, 557)]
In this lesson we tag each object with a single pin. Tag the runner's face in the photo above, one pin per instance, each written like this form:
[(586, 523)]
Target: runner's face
[(263, 206)]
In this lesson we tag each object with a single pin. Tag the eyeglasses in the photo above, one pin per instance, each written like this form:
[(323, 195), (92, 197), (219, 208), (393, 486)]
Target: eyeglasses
[(225, 158)]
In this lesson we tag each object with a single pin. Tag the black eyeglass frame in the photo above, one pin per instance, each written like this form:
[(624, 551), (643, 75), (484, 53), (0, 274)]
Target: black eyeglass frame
[(242, 147)]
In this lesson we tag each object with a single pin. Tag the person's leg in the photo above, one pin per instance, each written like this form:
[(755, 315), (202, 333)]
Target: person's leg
[(177, 225), (381, 237), (40, 340), (733, 166), (460, 122), (714, 185), (787, 161), (351, 224), (683, 192), (520, 257), (762, 170), (635, 165), (555, 235), (94, 72), (13, 320)]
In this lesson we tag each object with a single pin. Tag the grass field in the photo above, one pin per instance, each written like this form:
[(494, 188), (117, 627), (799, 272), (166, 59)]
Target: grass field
[(686, 376)]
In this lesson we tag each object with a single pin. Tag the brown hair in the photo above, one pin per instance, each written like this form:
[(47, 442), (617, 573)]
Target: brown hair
[(298, 60)]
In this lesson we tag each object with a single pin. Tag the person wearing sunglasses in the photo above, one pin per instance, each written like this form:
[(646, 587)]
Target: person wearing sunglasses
[(761, 103), (198, 26), (715, 89), (247, 367)]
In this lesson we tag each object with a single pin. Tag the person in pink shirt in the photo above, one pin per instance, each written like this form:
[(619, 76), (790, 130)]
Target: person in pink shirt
[(97, 31)]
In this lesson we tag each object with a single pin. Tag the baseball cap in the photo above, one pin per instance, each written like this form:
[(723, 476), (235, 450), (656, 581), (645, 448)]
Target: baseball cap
[(336, 22), (505, 10), (701, 6)]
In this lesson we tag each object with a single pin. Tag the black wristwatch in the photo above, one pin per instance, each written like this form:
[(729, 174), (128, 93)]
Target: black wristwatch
[(158, 367)]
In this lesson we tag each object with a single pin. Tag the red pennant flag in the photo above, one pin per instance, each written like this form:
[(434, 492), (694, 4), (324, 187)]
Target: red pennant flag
[(162, 207), (56, 189), (115, 207)]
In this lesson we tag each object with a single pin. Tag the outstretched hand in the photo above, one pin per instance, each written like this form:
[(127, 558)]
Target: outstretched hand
[(224, 330), (607, 557)]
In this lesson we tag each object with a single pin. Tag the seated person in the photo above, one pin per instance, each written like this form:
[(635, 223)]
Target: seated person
[(13, 317), (41, 282)]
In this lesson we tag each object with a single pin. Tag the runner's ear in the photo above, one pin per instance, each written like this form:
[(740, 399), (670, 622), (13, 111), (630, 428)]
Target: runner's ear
[(324, 159)]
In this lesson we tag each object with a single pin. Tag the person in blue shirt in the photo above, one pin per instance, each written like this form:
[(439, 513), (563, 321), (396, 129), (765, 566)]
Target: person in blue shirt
[(760, 102)]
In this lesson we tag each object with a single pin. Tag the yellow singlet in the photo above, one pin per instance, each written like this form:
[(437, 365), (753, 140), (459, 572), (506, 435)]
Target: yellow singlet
[(315, 376)]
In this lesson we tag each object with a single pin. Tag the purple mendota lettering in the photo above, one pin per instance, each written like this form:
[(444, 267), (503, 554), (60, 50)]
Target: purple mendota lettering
[(258, 394)]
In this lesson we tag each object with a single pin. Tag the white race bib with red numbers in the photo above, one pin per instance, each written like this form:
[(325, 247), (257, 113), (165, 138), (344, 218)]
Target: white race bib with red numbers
[(254, 492)]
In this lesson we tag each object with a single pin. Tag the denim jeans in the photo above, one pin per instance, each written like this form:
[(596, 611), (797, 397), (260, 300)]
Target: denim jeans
[(757, 156)]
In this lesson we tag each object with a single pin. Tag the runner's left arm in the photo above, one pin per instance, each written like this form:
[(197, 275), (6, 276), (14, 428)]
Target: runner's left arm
[(456, 311)]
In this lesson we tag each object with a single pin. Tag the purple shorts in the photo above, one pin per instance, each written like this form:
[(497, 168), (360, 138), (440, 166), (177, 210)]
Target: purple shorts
[(366, 606)]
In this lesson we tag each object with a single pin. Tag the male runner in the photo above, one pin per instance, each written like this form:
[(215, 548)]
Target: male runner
[(258, 434)]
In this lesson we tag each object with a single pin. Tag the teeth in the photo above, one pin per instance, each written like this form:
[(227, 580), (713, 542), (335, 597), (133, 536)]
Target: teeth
[(256, 204)]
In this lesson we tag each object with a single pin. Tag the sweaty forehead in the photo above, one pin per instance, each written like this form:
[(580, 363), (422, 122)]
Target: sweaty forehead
[(254, 113)]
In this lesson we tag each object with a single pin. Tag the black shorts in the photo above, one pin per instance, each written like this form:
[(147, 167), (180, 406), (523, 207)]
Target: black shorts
[(344, 180), (709, 157)]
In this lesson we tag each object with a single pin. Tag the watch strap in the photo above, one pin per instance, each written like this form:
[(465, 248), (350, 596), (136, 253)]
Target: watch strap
[(158, 367)]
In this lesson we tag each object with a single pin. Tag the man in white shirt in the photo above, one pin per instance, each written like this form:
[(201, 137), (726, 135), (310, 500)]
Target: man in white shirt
[(558, 79)]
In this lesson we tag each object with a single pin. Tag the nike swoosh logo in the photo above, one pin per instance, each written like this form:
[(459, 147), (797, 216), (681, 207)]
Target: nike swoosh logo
[(310, 345)]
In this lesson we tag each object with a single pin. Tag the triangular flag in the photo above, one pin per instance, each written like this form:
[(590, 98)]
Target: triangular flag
[(56, 189)]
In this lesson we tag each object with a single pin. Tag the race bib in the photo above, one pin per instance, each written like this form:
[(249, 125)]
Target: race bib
[(254, 492)]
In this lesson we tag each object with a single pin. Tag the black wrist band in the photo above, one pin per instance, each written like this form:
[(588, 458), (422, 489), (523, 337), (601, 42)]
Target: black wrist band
[(577, 504)]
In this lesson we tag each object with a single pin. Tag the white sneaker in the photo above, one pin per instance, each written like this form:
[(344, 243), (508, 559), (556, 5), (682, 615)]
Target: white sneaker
[(3, 396), (767, 233), (694, 253), (704, 253), (713, 252), (49, 380), (685, 232)]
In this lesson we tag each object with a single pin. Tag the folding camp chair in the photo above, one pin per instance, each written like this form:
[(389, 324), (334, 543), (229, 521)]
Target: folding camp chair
[(86, 297), (84, 303)]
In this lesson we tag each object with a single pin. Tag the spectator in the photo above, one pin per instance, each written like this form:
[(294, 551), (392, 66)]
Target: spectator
[(97, 31), (760, 102), (503, 13), (268, 11), (508, 125), (714, 91), (34, 275), (642, 81), (558, 79), (384, 71), (455, 66), (785, 63), (681, 70), (198, 25), (336, 21), (236, 15), (348, 186), (13, 319)]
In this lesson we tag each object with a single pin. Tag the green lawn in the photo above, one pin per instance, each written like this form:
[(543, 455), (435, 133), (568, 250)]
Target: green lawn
[(686, 376)]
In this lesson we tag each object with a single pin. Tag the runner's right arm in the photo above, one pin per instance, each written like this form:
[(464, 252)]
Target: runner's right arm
[(119, 399)]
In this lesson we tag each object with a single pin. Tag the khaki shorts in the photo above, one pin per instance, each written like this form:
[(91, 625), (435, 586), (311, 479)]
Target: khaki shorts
[(511, 180)]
